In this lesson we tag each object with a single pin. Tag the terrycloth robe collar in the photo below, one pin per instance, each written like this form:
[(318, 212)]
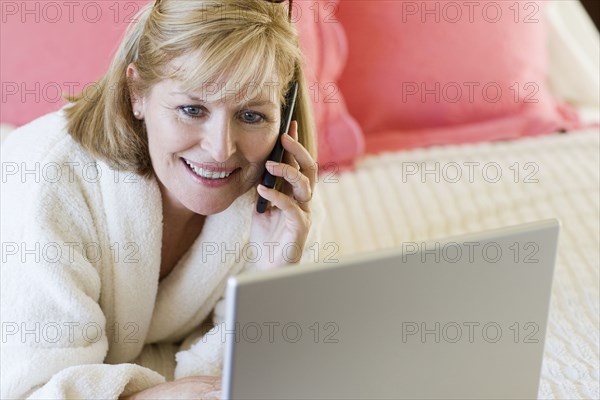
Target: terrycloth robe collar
[(182, 300), (186, 296)]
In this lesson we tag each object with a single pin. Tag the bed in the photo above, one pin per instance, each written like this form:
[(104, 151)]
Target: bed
[(400, 207), (387, 199), (390, 198)]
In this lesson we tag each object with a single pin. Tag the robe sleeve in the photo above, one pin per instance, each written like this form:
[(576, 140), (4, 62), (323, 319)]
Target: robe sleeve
[(54, 338)]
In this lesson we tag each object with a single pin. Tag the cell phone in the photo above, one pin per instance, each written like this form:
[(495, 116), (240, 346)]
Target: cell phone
[(287, 110)]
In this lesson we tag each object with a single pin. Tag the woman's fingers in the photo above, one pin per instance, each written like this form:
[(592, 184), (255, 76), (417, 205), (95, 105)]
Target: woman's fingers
[(300, 183), (278, 199), (288, 158), (298, 154), (298, 169)]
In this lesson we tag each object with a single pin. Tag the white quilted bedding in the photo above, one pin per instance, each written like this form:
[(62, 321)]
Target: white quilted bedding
[(386, 201)]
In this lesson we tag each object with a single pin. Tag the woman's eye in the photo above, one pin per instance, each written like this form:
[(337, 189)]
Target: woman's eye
[(252, 117), (191, 111)]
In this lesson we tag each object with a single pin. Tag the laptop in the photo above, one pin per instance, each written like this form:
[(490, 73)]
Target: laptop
[(463, 317)]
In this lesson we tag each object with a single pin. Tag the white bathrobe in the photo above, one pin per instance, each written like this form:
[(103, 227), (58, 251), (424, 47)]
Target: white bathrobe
[(83, 313)]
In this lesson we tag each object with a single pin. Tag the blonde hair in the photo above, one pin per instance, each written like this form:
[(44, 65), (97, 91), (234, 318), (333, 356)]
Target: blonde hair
[(246, 42)]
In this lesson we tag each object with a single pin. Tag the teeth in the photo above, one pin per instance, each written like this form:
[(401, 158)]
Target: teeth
[(207, 174)]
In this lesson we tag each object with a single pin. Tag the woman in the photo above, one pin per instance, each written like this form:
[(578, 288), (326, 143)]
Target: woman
[(144, 204)]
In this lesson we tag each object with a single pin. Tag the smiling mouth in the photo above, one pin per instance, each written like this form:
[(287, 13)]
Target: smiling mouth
[(206, 173)]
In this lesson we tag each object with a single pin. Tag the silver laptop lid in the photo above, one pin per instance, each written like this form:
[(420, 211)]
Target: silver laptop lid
[(456, 318)]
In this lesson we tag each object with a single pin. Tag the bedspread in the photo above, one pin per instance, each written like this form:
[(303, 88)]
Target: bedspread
[(423, 194)]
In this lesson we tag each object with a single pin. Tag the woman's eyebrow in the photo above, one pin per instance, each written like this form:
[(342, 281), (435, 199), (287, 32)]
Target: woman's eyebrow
[(250, 103)]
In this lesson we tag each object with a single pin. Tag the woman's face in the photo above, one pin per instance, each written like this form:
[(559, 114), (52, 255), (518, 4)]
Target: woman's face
[(206, 154)]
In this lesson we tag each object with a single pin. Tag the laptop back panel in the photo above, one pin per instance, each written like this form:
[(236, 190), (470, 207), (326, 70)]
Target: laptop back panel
[(457, 318)]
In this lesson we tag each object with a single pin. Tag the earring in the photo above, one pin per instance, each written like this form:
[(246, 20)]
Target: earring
[(136, 114)]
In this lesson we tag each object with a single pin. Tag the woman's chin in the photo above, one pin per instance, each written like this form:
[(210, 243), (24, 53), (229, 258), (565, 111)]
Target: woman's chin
[(206, 206)]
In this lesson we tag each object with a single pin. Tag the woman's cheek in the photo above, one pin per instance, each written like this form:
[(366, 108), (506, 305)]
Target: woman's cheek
[(258, 152), (180, 134)]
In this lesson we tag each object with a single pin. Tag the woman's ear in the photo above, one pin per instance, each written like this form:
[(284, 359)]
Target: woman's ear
[(137, 101)]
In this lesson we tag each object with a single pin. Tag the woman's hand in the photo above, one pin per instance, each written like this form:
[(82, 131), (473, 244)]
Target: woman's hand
[(281, 231), (192, 387)]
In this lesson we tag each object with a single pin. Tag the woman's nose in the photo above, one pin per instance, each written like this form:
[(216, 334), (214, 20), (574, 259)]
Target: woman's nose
[(218, 140)]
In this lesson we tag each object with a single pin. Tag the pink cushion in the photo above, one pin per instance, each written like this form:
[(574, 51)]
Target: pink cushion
[(323, 42), (62, 48), (54, 47), (408, 76)]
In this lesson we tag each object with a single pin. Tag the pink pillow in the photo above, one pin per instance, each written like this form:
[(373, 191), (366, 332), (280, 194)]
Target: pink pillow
[(323, 42), (425, 73), (62, 48), (55, 48)]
